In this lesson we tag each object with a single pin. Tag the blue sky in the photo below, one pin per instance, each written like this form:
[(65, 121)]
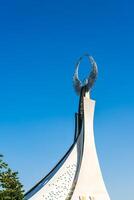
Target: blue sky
[(40, 42)]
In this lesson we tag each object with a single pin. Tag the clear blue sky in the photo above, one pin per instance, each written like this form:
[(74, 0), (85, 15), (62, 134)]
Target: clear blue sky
[(39, 44)]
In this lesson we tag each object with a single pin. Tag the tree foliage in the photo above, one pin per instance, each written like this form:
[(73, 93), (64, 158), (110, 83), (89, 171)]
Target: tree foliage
[(10, 186)]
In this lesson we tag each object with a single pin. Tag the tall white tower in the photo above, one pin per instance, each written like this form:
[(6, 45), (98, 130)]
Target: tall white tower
[(77, 176)]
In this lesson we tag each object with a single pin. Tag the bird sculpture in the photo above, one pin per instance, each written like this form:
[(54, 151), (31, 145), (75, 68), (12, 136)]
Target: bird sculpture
[(89, 81)]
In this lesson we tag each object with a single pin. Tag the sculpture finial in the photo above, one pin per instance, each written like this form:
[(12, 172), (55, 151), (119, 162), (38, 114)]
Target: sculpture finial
[(89, 81)]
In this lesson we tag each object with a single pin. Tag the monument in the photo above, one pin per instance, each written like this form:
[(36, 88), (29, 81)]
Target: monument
[(77, 176)]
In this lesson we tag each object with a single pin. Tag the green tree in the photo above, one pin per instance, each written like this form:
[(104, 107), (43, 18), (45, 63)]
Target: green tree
[(10, 186)]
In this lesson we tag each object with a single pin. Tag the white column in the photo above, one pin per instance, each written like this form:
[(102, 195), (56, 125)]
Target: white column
[(90, 184)]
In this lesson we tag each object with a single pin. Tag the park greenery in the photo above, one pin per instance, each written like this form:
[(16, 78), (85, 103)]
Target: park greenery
[(10, 186)]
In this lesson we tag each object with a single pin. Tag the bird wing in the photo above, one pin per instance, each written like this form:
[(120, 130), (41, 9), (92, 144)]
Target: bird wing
[(76, 81), (93, 74)]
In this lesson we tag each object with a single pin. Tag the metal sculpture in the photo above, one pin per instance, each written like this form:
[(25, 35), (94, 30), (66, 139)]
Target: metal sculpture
[(89, 81)]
